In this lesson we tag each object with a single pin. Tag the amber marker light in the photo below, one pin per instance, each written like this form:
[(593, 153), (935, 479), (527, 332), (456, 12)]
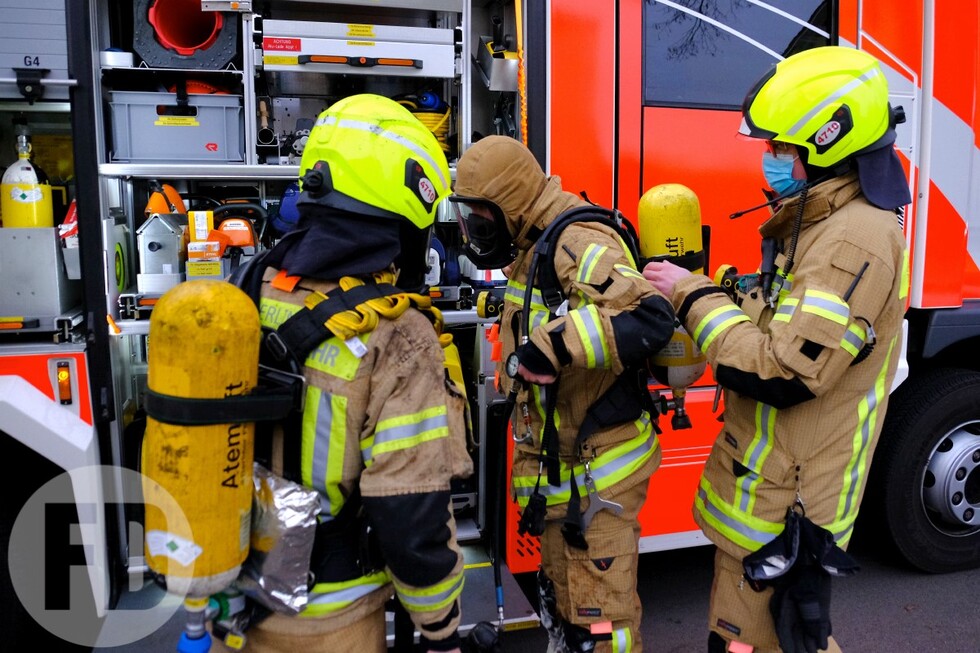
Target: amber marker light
[(64, 383), (406, 63), (327, 58)]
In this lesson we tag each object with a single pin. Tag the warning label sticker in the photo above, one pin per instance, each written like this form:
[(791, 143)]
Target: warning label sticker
[(280, 60), (177, 121), (282, 44), (360, 31)]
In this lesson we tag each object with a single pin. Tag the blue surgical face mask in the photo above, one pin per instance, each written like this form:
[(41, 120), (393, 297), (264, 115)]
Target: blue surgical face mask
[(778, 170)]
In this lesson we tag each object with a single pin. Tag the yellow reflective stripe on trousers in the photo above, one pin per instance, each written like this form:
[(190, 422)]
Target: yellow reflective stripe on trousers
[(715, 322), (322, 458), (739, 527), (755, 457), (607, 469), (590, 258), (856, 471), (826, 305), (430, 599), (588, 326), (326, 598), (404, 431), (622, 640)]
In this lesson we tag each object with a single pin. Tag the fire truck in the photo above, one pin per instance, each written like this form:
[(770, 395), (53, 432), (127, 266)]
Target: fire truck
[(140, 112)]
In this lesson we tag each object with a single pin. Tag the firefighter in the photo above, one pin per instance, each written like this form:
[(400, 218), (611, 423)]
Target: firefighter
[(806, 350), (383, 430), (581, 466)]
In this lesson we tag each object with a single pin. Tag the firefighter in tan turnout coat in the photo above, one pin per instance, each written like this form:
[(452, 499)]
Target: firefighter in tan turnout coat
[(808, 349), (581, 354), (384, 428)]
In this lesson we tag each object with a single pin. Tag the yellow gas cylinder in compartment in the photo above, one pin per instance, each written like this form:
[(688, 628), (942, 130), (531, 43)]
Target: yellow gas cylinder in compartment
[(25, 201), (203, 344)]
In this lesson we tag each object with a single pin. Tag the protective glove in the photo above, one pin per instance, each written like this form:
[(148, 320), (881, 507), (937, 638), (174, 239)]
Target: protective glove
[(483, 638), (800, 607), (451, 643), (534, 360), (799, 564)]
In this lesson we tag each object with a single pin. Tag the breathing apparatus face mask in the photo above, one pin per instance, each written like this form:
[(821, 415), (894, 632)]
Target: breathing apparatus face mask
[(778, 170), (487, 241)]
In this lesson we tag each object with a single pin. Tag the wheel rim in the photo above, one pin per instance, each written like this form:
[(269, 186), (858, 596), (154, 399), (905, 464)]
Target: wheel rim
[(951, 483)]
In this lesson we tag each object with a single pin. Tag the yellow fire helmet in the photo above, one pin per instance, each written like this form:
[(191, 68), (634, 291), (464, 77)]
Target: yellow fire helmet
[(369, 155), (831, 101)]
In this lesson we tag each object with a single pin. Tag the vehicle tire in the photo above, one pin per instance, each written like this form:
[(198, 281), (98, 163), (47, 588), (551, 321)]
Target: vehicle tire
[(927, 470)]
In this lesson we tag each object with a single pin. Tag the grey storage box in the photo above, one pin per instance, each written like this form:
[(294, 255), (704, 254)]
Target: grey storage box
[(33, 39), (32, 267), (154, 127)]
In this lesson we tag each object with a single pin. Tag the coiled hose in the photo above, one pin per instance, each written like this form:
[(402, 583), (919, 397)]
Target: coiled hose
[(364, 317), (437, 120)]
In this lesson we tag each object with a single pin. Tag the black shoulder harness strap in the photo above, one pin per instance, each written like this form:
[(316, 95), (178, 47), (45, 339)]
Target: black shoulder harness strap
[(303, 331), (544, 250), (624, 401)]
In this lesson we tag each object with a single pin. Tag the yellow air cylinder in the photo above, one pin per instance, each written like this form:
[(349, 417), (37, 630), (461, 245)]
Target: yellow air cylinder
[(25, 200), (669, 218), (203, 344)]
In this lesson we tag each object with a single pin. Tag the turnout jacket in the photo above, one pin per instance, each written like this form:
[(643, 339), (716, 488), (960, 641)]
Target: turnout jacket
[(803, 405), (613, 319), (383, 419)]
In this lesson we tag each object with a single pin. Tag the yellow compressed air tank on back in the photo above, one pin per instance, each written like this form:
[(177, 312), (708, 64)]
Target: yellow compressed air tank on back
[(670, 230), (203, 344)]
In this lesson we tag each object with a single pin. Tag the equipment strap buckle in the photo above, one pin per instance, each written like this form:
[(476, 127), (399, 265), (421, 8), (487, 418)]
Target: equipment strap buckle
[(274, 343), (294, 382)]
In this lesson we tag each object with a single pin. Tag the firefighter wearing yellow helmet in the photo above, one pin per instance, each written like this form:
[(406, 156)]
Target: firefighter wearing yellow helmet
[(806, 351), (383, 431)]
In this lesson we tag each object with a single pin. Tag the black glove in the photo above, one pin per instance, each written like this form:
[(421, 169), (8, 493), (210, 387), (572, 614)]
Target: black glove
[(447, 644), (800, 607), (534, 359), (483, 638)]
